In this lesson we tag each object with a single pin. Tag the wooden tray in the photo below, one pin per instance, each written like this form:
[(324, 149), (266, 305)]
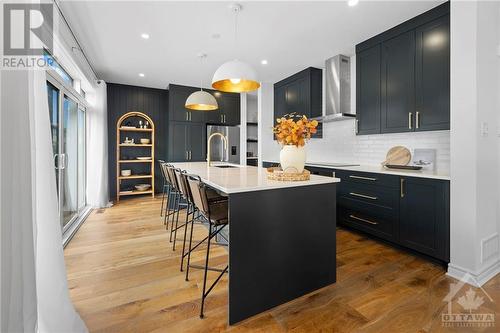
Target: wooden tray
[(279, 174)]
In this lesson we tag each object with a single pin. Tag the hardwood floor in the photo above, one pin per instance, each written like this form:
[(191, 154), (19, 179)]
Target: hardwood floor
[(124, 277)]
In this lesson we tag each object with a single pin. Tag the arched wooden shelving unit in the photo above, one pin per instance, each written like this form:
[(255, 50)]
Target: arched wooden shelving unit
[(136, 133)]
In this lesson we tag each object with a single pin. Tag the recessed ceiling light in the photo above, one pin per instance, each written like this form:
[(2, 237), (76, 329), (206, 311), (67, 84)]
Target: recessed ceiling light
[(263, 62), (352, 3), (141, 74), (145, 36), (216, 36)]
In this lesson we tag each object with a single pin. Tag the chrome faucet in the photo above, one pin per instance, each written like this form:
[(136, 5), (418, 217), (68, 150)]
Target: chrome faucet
[(224, 139)]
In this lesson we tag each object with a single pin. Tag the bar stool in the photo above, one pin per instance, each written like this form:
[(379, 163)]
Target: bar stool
[(177, 204), (212, 195), (171, 197), (166, 187), (216, 213)]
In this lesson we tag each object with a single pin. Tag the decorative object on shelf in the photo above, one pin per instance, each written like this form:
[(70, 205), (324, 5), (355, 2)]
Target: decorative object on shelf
[(425, 158), (142, 187), (292, 131), (235, 76), (279, 174), (398, 155), (127, 154), (201, 100), (403, 167)]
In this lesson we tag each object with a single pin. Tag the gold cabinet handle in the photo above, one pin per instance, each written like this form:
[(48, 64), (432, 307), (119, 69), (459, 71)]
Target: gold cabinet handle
[(417, 119), (190, 155), (357, 126), (362, 220), (410, 118), (186, 154), (363, 178), (187, 115), (363, 196), (401, 188)]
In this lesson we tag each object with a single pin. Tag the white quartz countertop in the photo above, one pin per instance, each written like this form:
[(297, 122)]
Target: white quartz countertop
[(381, 169), (244, 178)]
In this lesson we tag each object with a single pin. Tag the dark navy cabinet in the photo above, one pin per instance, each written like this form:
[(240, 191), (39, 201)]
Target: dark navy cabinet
[(424, 216), (411, 212), (403, 76), (368, 88), (300, 93), (187, 142), (432, 73), (398, 83)]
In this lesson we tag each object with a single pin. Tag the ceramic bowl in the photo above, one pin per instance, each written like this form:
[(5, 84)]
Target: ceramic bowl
[(126, 173), (145, 141), (142, 187)]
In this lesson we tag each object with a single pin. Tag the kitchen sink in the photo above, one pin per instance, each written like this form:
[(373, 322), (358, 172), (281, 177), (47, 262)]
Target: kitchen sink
[(225, 166)]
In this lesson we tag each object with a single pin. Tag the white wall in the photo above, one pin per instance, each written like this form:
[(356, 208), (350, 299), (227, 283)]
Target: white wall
[(474, 153)]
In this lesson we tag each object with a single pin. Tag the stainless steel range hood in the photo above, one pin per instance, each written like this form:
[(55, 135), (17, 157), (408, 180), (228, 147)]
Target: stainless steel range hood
[(337, 89)]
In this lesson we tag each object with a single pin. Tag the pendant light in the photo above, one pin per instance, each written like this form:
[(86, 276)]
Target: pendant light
[(201, 100), (235, 76)]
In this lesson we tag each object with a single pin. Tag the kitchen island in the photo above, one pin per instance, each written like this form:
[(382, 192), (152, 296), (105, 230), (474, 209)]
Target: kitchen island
[(282, 239)]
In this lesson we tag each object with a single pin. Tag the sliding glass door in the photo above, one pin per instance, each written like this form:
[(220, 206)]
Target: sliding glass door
[(67, 119), (70, 151)]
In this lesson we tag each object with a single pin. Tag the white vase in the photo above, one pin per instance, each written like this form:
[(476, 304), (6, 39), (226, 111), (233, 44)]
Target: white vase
[(293, 158)]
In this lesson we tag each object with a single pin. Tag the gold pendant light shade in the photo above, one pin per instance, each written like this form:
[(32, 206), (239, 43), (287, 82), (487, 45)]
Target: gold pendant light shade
[(236, 77), (201, 101)]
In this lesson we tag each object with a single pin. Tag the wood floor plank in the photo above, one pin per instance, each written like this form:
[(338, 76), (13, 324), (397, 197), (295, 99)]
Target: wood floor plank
[(124, 277)]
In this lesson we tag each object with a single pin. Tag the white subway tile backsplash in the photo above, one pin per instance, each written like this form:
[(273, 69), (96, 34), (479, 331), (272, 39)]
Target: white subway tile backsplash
[(340, 144)]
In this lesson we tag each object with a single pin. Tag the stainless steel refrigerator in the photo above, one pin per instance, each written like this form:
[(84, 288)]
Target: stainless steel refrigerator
[(217, 151)]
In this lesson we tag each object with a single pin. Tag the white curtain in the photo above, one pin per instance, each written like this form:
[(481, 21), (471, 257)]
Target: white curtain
[(97, 148), (34, 284)]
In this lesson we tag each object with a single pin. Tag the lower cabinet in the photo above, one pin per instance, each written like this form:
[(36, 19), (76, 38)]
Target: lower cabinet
[(424, 216), (409, 211), (187, 142)]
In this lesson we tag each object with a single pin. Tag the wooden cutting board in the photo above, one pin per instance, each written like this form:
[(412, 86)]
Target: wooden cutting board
[(398, 155)]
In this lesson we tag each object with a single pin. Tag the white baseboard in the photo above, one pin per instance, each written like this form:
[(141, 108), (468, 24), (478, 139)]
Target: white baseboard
[(476, 279)]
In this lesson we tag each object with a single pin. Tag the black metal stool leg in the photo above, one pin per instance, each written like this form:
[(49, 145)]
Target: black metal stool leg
[(185, 233), (177, 222), (189, 249), (176, 211), (162, 198), (206, 270)]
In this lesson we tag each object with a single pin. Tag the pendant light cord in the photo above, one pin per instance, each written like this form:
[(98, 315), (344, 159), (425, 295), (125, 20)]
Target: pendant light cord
[(237, 11), (201, 72)]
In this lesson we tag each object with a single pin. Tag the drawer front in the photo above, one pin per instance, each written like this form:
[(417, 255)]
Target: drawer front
[(367, 178), (378, 224), (368, 193)]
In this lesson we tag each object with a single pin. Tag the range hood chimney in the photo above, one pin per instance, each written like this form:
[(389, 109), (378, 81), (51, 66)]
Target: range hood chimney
[(337, 89)]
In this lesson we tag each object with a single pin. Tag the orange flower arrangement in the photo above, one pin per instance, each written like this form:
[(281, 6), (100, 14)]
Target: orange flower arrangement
[(292, 129)]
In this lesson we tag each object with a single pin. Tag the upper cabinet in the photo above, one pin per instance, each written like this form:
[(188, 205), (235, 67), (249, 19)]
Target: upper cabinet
[(368, 90), (300, 93), (432, 74), (403, 76)]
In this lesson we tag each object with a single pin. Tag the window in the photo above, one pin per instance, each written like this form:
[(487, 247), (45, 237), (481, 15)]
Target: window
[(57, 68)]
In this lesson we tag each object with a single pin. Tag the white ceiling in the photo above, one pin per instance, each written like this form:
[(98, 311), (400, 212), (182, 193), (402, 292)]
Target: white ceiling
[(291, 35)]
